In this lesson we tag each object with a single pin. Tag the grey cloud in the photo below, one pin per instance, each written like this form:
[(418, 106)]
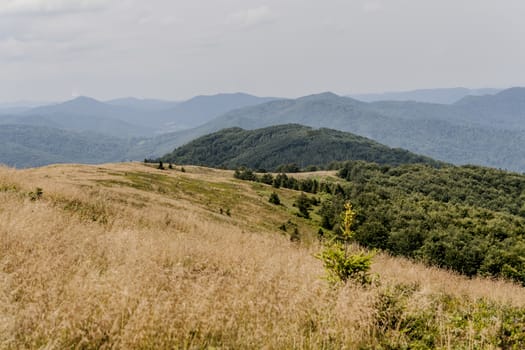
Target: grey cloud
[(252, 17), (43, 7), (178, 48)]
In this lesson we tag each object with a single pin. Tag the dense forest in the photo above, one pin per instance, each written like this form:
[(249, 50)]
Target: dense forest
[(268, 148), (468, 219)]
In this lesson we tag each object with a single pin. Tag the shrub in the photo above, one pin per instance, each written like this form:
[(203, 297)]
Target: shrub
[(274, 199), (303, 204), (37, 194), (266, 179), (339, 263), (245, 174)]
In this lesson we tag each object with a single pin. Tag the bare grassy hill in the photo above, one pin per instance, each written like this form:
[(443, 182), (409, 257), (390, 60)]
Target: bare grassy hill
[(128, 256)]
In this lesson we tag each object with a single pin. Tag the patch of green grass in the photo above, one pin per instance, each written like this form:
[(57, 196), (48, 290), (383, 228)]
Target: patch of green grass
[(9, 188), (96, 211)]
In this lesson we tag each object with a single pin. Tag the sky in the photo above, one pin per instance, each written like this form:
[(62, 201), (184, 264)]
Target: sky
[(53, 50)]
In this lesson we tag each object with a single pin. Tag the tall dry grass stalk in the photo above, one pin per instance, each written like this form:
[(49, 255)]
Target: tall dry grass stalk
[(95, 266)]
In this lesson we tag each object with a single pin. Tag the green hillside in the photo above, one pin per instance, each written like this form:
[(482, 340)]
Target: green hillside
[(271, 147), (468, 219)]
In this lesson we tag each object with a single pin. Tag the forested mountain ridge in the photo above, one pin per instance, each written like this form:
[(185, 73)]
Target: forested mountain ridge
[(483, 130), (447, 133), (271, 147)]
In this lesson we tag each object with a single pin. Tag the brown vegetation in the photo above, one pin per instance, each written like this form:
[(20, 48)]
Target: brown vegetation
[(128, 256)]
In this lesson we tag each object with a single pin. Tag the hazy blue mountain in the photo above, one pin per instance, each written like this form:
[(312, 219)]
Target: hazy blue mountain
[(201, 109), (87, 114), (504, 110), (268, 148), (308, 110), (7, 108), (320, 110), (148, 105), (80, 106), (441, 96), (130, 117), (29, 146)]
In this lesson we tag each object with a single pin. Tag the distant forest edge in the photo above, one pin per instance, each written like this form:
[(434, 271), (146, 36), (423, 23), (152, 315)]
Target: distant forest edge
[(289, 148), (468, 219)]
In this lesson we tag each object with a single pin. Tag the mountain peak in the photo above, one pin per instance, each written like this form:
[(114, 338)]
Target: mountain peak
[(83, 100), (321, 96), (513, 92), (510, 95)]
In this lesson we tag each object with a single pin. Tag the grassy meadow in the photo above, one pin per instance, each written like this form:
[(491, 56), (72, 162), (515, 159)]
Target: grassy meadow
[(126, 256)]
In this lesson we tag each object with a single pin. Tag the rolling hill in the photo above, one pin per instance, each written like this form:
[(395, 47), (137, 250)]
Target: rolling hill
[(271, 147)]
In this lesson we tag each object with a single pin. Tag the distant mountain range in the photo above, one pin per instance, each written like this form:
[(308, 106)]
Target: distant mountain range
[(148, 105), (455, 133), (128, 117), (442, 96), (271, 147), (486, 130)]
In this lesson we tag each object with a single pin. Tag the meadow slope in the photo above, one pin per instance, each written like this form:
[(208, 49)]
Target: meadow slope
[(128, 256)]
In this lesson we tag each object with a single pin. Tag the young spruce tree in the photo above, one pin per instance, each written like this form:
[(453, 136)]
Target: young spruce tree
[(341, 264)]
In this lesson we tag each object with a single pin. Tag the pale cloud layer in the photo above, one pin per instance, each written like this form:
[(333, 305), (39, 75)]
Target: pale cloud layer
[(252, 17), (371, 6), (52, 49), (13, 7)]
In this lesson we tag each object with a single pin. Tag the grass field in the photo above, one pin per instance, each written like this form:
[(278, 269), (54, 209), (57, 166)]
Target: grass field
[(125, 256)]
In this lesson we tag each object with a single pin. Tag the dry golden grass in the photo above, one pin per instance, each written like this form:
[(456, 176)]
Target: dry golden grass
[(108, 259)]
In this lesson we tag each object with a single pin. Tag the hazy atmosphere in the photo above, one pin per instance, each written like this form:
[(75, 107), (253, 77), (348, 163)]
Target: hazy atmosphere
[(53, 50)]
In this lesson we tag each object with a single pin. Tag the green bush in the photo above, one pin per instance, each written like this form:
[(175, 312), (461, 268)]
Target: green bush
[(274, 199), (340, 264)]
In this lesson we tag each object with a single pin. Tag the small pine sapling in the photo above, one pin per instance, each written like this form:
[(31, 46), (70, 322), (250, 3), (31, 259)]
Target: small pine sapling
[(340, 264)]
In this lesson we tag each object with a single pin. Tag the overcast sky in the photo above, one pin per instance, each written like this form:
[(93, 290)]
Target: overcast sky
[(174, 49)]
